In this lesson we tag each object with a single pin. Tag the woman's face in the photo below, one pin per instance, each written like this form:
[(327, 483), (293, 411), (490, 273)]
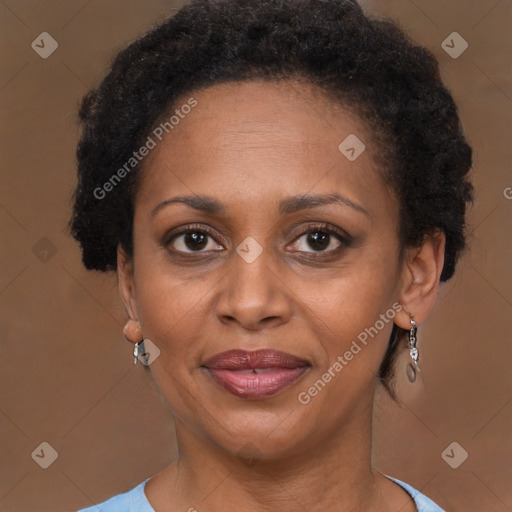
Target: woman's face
[(261, 166)]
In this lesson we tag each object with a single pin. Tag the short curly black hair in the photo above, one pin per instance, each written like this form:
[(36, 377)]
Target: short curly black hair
[(368, 64)]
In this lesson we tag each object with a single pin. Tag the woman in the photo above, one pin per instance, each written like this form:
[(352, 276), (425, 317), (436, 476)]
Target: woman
[(281, 187)]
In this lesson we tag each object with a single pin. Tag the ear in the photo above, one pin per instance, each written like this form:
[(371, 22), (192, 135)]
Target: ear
[(420, 277), (126, 283)]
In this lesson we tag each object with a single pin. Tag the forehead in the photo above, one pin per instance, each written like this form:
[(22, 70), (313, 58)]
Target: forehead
[(260, 138), (299, 112)]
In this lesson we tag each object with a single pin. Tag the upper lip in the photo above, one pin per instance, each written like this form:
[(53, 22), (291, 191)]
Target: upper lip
[(246, 360)]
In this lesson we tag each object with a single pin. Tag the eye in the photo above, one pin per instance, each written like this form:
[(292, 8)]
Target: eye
[(194, 239), (321, 238)]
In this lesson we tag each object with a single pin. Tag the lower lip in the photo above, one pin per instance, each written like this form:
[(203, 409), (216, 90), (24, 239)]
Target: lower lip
[(248, 384)]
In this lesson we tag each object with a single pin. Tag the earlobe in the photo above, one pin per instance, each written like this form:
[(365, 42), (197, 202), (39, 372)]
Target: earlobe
[(420, 279), (132, 331)]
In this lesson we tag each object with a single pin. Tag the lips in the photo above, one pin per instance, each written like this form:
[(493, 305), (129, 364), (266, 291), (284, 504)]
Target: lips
[(256, 374)]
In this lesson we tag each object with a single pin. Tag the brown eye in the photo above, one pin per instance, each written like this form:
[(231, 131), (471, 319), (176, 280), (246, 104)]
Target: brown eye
[(193, 240), (317, 241), (320, 239)]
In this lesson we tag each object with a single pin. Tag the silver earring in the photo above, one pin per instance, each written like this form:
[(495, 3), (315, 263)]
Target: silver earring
[(136, 352), (413, 351)]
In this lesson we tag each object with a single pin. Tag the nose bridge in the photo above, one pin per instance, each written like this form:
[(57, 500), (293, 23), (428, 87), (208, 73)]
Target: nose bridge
[(253, 294), (252, 268)]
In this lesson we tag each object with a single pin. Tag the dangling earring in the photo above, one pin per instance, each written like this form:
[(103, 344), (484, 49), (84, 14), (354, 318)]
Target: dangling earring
[(132, 332), (136, 352), (413, 351)]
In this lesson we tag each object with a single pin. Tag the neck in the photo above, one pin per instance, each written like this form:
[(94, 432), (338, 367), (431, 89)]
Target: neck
[(329, 474)]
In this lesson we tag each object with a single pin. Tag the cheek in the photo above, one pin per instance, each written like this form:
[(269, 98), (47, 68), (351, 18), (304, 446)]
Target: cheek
[(351, 319), (351, 331), (170, 313), (350, 326), (354, 297), (171, 316)]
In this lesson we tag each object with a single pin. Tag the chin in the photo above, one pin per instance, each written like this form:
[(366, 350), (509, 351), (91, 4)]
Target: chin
[(262, 434)]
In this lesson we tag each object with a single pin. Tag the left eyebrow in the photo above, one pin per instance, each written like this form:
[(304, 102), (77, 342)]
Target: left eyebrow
[(286, 206), (302, 202)]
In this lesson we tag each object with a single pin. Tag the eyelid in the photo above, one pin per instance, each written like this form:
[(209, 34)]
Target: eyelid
[(314, 226)]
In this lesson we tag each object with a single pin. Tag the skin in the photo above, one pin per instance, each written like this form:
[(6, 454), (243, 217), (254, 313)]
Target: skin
[(250, 146)]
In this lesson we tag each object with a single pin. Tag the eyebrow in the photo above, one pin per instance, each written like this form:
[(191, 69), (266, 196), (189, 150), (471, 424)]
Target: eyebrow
[(286, 206)]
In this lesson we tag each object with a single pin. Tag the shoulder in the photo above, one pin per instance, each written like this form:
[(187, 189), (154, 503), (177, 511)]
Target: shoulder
[(423, 503), (133, 500)]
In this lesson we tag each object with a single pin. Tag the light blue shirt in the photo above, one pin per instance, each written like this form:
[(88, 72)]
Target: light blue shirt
[(136, 501)]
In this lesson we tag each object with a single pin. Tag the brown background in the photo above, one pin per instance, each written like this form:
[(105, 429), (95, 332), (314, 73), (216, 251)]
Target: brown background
[(66, 372)]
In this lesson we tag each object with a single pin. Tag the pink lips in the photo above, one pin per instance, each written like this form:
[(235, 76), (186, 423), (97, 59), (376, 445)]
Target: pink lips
[(255, 374)]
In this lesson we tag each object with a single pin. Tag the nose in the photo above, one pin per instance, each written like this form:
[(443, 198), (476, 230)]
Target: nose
[(254, 295)]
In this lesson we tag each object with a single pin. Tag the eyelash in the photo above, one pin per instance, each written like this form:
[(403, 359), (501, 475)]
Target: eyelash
[(341, 236)]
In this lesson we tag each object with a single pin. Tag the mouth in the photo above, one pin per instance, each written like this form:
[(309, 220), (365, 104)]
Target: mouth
[(256, 374)]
